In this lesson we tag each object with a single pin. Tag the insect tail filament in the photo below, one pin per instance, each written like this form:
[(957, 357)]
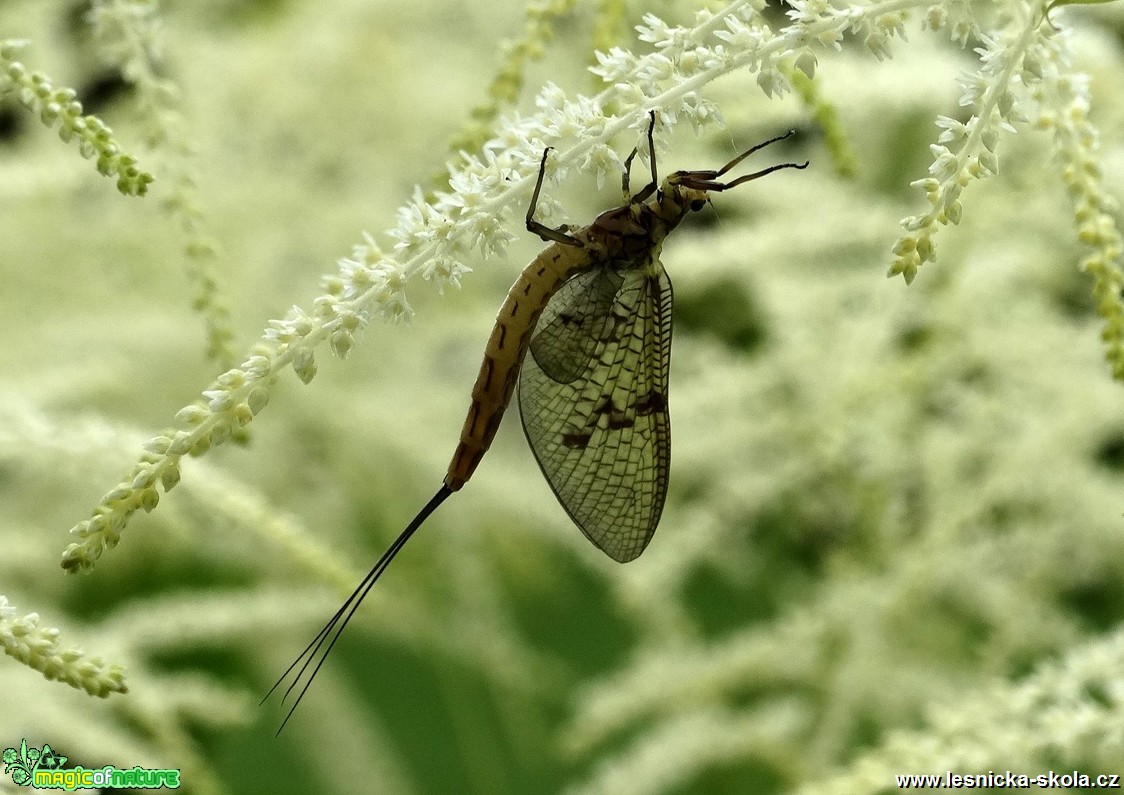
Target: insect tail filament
[(346, 611)]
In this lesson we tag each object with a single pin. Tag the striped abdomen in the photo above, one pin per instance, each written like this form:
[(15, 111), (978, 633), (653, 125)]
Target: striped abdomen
[(511, 336)]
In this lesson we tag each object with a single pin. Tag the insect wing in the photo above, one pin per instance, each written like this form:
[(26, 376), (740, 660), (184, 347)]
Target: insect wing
[(592, 397), (571, 326)]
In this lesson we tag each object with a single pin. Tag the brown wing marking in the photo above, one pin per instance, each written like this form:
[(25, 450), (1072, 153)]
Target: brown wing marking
[(602, 437)]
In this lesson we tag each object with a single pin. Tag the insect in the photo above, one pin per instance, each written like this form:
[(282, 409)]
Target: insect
[(594, 312)]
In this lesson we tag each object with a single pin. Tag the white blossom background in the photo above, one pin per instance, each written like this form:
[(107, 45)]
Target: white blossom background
[(893, 541)]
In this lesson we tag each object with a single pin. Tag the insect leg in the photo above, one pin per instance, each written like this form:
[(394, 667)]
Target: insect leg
[(652, 144), (650, 188), (558, 235), (624, 177)]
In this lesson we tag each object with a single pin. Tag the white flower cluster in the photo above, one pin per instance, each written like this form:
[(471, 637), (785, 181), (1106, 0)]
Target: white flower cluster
[(129, 36), (130, 33), (35, 91), (956, 17), (1063, 108), (37, 647), (434, 234), (1011, 62), (1068, 710)]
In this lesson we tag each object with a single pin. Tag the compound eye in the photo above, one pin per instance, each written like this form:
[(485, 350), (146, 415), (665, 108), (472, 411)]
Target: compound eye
[(697, 204)]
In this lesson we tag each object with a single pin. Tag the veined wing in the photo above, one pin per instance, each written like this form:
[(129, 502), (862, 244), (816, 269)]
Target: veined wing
[(593, 399), (572, 324)]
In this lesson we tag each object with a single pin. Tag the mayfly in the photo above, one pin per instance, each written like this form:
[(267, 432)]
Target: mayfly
[(594, 311)]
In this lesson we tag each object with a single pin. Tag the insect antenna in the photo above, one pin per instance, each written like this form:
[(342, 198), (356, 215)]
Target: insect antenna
[(331, 632), (708, 180), (749, 152)]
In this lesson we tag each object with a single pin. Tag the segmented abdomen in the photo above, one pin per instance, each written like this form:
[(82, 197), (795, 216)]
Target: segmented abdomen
[(511, 336)]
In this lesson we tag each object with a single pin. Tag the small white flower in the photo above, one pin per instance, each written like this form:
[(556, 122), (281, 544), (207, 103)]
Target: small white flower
[(772, 82), (702, 112), (602, 161), (740, 36), (550, 97), (614, 66), (443, 272)]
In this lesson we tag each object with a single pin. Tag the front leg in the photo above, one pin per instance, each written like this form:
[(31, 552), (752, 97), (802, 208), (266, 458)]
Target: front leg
[(559, 235)]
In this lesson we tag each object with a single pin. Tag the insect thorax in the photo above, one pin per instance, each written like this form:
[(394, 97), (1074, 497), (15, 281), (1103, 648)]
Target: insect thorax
[(634, 232)]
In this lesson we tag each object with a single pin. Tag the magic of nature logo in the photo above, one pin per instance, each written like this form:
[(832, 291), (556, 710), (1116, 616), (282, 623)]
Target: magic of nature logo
[(45, 768)]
